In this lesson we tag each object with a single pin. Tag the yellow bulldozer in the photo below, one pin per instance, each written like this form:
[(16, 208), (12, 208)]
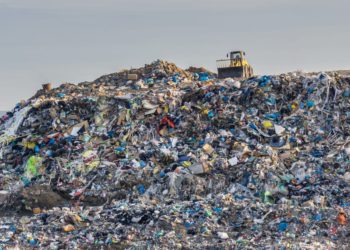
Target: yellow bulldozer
[(236, 66)]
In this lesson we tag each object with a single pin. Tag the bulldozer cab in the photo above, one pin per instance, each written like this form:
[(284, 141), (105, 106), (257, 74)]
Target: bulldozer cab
[(236, 66), (236, 55)]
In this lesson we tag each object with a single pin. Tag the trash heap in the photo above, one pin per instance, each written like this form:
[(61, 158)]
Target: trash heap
[(156, 71), (179, 160)]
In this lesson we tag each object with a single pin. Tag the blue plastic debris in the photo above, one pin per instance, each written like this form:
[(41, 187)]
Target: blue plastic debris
[(203, 77), (141, 188), (282, 226)]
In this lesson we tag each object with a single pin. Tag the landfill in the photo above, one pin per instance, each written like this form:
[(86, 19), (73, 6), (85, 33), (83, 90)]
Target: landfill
[(164, 158)]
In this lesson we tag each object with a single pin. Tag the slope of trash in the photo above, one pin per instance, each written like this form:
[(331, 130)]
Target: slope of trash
[(165, 158)]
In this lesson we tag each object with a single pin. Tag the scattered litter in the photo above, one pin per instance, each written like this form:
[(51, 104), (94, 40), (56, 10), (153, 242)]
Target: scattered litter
[(160, 157)]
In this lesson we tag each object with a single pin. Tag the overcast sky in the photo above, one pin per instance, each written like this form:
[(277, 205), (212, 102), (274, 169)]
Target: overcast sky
[(77, 40)]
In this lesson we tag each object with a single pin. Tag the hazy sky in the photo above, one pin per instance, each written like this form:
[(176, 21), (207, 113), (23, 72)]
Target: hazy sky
[(77, 40)]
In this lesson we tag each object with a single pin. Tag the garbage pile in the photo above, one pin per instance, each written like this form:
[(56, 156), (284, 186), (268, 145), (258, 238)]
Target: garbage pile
[(157, 71), (177, 160)]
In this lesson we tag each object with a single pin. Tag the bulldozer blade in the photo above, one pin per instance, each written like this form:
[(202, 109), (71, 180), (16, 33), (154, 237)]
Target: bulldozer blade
[(232, 72)]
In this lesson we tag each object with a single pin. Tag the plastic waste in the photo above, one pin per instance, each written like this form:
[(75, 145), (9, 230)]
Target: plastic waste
[(176, 159)]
